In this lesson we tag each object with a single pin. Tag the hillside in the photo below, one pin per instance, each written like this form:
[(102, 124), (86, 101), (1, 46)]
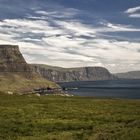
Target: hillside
[(129, 75), (58, 74), (16, 74)]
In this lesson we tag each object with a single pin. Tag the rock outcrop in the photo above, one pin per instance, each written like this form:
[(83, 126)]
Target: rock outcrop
[(12, 61), (58, 74), (16, 74)]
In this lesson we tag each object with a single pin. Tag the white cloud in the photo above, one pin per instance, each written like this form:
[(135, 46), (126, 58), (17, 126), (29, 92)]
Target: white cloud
[(132, 10), (134, 15), (60, 42), (24, 23), (110, 27), (76, 28), (62, 13)]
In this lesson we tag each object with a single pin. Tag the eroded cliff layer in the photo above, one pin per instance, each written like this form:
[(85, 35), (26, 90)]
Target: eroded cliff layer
[(16, 74), (11, 60), (58, 74)]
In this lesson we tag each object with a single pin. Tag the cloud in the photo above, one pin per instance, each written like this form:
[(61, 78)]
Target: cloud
[(62, 13), (58, 38), (133, 12), (110, 27), (134, 15)]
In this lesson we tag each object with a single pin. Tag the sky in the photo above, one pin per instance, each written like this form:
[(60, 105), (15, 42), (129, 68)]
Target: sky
[(74, 33)]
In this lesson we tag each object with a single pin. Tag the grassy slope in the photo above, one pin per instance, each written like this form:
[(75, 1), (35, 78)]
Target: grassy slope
[(18, 82), (63, 118)]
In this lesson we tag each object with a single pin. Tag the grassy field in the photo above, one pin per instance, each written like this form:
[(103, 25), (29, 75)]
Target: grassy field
[(16, 82), (68, 118)]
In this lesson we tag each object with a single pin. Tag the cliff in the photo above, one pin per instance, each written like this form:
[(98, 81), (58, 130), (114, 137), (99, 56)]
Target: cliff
[(58, 74), (16, 74), (129, 75), (12, 61)]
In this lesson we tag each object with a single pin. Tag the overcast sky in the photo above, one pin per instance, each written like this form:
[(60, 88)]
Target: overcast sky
[(74, 33)]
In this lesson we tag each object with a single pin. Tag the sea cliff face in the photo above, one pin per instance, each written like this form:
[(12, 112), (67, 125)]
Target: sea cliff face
[(58, 74), (11, 60), (16, 75), (129, 75)]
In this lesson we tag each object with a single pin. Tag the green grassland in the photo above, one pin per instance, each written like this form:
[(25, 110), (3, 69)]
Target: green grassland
[(68, 118), (17, 82)]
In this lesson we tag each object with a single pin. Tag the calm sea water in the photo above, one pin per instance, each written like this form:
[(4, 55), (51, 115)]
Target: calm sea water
[(114, 88)]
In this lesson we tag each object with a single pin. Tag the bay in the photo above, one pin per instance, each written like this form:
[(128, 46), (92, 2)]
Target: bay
[(126, 88)]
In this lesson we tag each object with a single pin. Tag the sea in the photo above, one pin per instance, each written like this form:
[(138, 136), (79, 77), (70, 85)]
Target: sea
[(124, 88)]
